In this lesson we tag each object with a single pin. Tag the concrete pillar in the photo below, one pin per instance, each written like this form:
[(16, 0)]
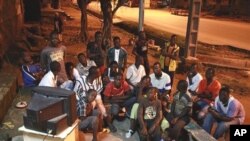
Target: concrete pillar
[(141, 15)]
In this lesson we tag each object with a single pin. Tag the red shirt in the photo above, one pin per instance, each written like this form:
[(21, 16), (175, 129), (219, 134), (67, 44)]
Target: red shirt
[(213, 88), (111, 90)]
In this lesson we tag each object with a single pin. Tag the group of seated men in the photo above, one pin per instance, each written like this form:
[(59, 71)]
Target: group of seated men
[(103, 92)]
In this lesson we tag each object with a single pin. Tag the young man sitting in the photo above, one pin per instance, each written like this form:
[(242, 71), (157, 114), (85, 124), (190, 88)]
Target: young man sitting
[(31, 72), (90, 119), (180, 110), (118, 94), (150, 116), (226, 111)]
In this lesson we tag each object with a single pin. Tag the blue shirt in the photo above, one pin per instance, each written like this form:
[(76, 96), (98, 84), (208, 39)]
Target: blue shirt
[(28, 74)]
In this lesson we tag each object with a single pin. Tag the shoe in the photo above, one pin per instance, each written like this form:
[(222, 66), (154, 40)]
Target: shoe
[(129, 133), (112, 128)]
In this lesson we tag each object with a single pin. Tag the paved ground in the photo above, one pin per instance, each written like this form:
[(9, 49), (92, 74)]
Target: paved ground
[(211, 31)]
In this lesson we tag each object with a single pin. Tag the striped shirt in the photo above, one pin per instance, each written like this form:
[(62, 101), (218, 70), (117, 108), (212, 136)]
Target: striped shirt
[(81, 87)]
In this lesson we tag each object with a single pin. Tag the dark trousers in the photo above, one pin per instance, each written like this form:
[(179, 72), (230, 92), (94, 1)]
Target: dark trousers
[(115, 107), (146, 65), (155, 136)]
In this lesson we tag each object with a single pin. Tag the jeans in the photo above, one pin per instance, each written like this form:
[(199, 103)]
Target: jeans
[(115, 107), (221, 128)]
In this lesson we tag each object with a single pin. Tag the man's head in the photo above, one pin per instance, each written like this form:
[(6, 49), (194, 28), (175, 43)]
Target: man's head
[(118, 80), (94, 72), (98, 36), (224, 95), (146, 81), (82, 59), (157, 70), (152, 93), (117, 42), (114, 67), (54, 39), (173, 39), (182, 86), (91, 95), (193, 70), (165, 100), (55, 67), (142, 35), (210, 73), (69, 66)]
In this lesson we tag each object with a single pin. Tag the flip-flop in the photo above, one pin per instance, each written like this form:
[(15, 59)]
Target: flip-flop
[(105, 130), (21, 104), (9, 125)]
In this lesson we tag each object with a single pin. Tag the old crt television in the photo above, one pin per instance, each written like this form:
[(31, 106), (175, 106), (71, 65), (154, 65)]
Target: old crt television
[(42, 109), (69, 99)]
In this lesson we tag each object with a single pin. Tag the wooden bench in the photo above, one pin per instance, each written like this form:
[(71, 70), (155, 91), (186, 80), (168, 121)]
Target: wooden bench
[(195, 132)]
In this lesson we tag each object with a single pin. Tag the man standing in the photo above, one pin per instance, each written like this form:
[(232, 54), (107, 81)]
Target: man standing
[(96, 52), (226, 111), (117, 53), (141, 49), (54, 52), (171, 53)]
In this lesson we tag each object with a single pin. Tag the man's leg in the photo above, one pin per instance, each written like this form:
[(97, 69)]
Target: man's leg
[(91, 122), (100, 105), (156, 135), (113, 111), (133, 120), (176, 130), (208, 123), (129, 103), (223, 127)]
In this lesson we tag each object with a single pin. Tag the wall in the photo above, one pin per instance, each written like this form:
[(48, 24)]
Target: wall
[(11, 21)]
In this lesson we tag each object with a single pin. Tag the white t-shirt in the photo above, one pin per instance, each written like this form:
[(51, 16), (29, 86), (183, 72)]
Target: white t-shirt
[(76, 73), (49, 80), (164, 83), (117, 52), (85, 70), (134, 75), (196, 81)]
